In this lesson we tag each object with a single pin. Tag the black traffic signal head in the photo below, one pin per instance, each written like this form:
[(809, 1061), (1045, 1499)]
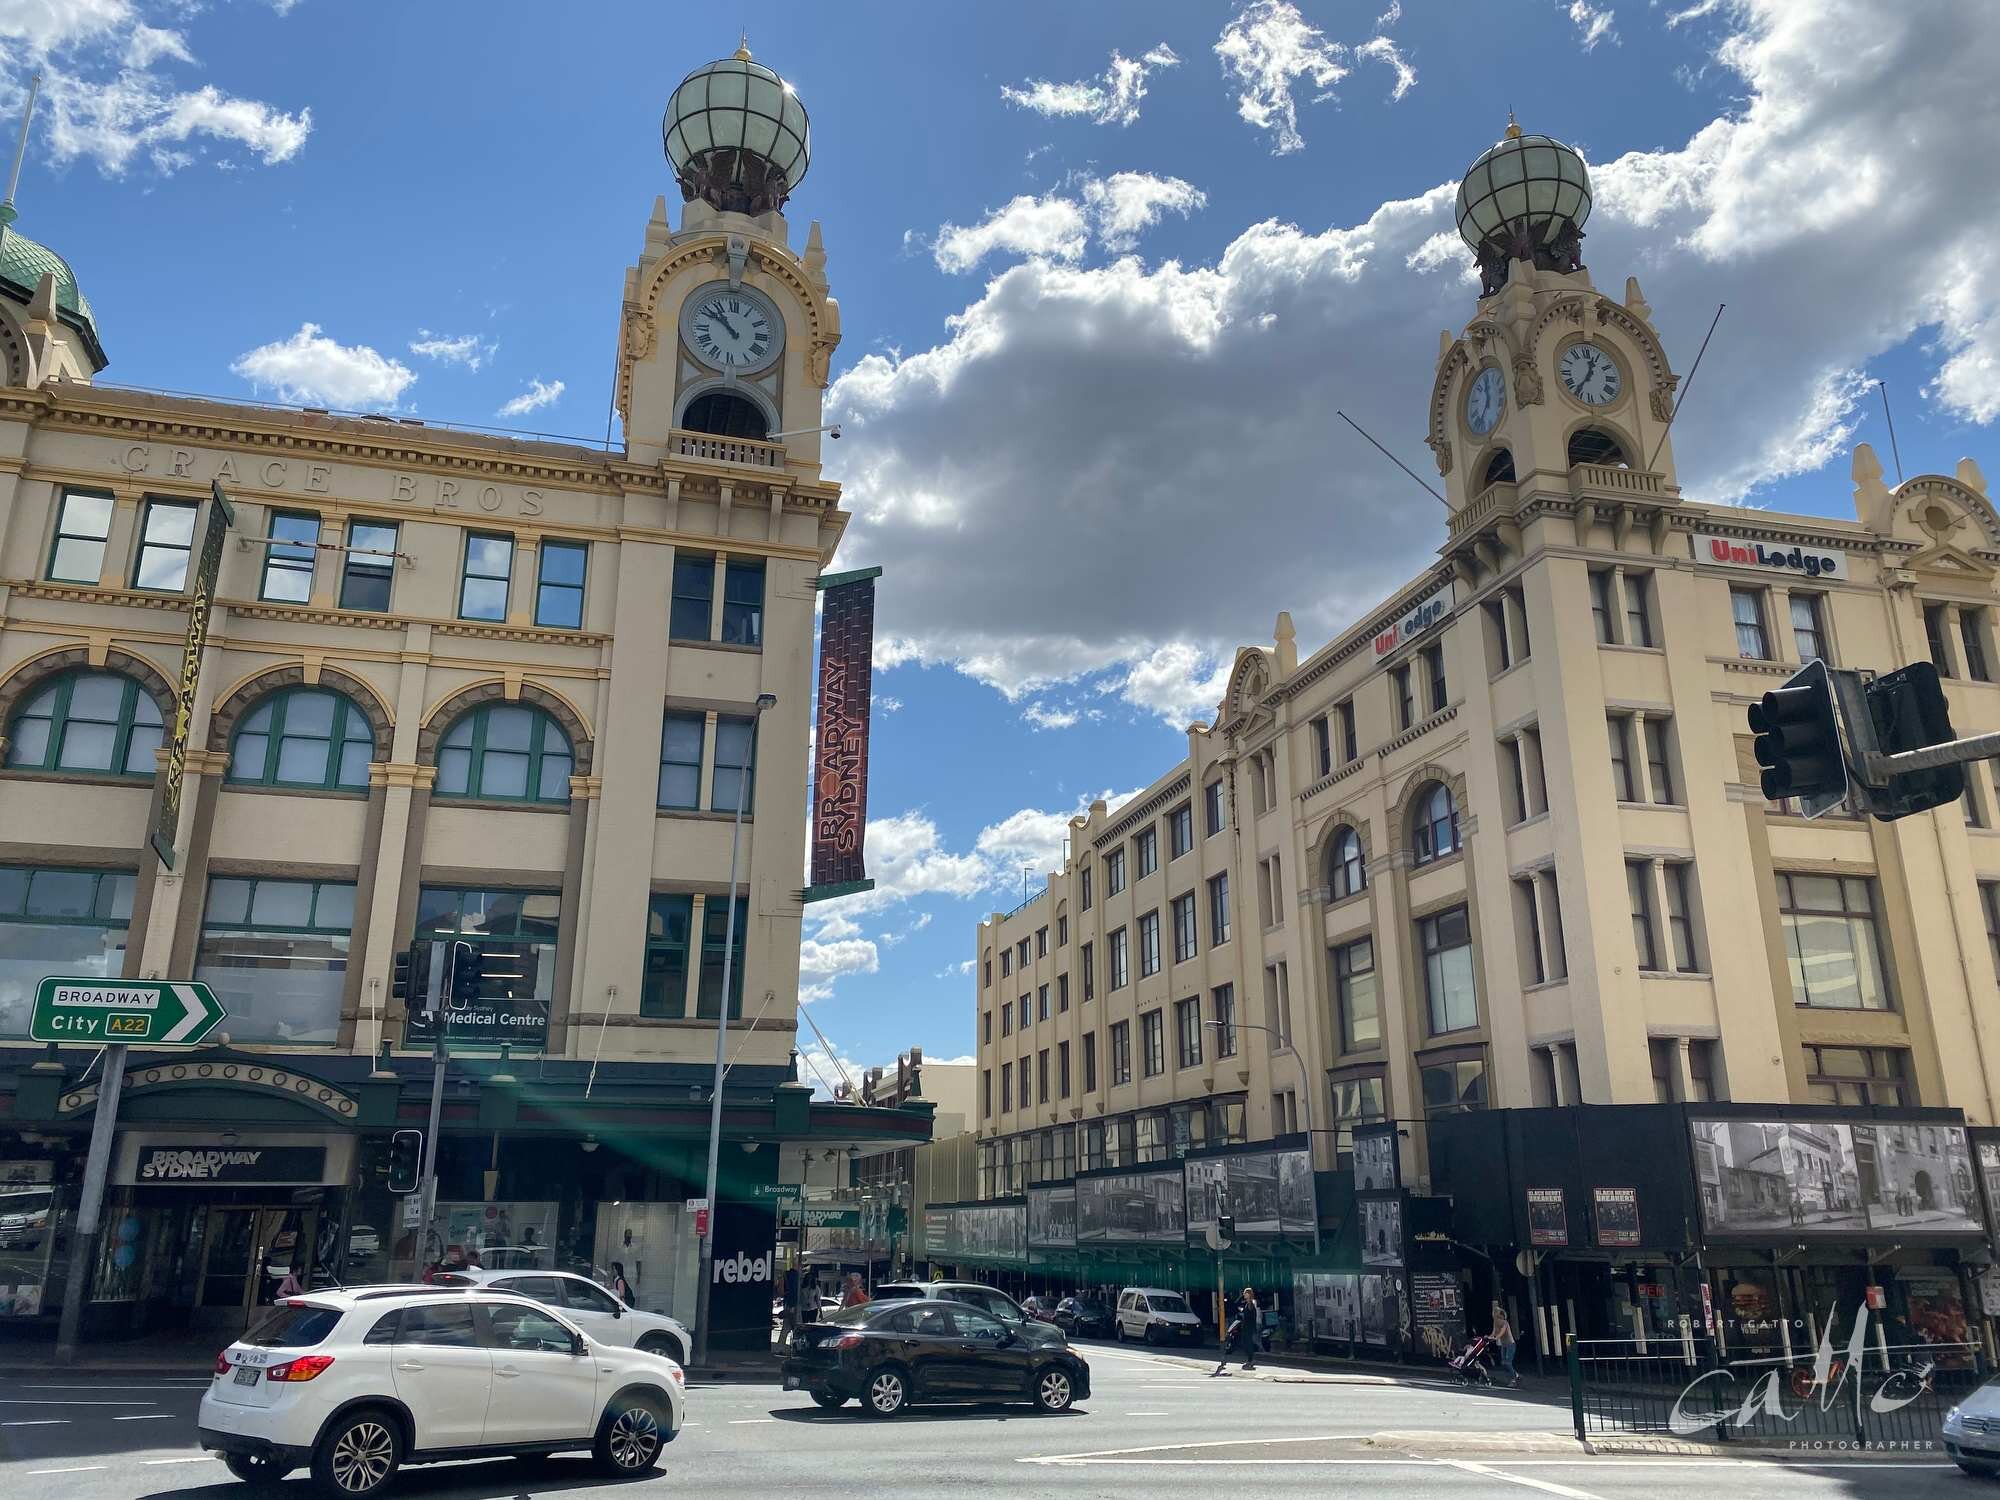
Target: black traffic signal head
[(1798, 740), (1225, 1225), (466, 975), (404, 972), (406, 1160), (1909, 712)]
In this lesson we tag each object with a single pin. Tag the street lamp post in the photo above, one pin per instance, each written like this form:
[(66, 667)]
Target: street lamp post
[(1305, 1092), (705, 1274)]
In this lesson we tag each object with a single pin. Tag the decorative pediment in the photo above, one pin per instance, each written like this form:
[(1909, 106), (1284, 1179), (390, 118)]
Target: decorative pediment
[(1948, 515), (1949, 562)]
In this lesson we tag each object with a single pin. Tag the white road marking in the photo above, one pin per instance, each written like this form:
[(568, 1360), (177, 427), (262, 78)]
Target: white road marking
[(17, 1401), (749, 1421), (192, 1458), (38, 1422), (147, 1416), (1547, 1486), (1145, 1414), (79, 1469), (1122, 1453)]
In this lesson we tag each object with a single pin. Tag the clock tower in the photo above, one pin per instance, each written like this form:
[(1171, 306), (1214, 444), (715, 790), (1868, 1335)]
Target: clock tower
[(727, 331)]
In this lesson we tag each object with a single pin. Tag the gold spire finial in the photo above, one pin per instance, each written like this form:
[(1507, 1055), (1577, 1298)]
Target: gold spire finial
[(1513, 129), (742, 53)]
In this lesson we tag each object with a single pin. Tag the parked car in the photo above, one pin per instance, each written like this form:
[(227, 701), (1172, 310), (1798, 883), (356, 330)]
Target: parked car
[(974, 1294), (1156, 1315), (1041, 1309), (891, 1354), (1972, 1431), (363, 1243), (357, 1384), (1084, 1316), (598, 1312)]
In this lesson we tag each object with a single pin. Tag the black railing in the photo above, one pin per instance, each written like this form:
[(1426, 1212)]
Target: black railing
[(1888, 1395)]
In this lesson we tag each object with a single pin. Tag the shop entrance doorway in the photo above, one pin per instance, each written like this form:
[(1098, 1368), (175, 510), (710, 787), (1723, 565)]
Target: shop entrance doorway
[(249, 1257)]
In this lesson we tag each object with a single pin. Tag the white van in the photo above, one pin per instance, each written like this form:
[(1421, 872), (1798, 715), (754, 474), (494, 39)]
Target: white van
[(1156, 1315)]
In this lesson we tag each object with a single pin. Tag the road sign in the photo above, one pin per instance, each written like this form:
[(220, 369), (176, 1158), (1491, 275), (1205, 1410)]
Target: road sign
[(784, 1192), (145, 1012), (413, 1211), (802, 1217), (701, 1221)]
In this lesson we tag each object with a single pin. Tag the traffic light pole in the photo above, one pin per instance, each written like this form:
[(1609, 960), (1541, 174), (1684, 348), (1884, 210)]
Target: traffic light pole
[(1878, 767), (439, 986)]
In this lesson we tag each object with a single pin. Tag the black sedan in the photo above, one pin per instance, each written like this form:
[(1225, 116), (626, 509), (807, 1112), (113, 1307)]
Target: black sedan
[(1085, 1316), (890, 1354)]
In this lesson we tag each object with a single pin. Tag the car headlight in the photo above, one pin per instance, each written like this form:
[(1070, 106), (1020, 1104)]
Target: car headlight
[(1951, 1417)]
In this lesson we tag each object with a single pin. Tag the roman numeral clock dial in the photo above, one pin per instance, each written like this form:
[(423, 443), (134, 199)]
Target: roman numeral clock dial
[(1590, 374), (732, 328)]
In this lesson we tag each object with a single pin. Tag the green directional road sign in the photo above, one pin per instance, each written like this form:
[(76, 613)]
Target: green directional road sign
[(145, 1012), (784, 1192)]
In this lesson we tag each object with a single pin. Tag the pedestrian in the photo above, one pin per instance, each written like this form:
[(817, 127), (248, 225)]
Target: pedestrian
[(1242, 1333), (620, 1287), (856, 1294), (1503, 1335)]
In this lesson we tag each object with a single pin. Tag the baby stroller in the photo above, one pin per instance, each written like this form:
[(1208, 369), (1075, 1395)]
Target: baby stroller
[(1469, 1364)]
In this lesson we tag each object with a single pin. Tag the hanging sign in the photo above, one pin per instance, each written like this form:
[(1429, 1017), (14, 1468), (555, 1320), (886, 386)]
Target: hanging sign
[(840, 754), (207, 566)]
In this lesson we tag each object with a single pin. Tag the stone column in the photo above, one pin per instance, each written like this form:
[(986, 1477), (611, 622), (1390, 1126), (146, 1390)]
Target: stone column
[(364, 911), (204, 769), (584, 792)]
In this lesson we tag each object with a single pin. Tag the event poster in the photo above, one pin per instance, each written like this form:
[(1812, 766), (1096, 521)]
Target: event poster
[(1437, 1305), (1548, 1218), (1617, 1216)]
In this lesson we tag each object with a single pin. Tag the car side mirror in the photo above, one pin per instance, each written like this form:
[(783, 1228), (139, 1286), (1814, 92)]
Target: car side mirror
[(577, 1347), (1008, 1338), (618, 1310)]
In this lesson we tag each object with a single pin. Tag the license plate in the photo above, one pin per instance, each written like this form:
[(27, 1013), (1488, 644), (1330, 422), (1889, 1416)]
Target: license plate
[(245, 1375), (792, 1383)]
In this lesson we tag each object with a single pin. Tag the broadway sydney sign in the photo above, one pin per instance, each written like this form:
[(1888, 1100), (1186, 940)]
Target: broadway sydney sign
[(840, 752)]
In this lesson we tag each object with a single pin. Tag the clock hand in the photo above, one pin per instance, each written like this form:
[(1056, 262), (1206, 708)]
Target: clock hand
[(715, 311)]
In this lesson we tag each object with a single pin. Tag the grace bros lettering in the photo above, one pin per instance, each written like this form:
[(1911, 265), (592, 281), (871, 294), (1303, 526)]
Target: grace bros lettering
[(306, 476)]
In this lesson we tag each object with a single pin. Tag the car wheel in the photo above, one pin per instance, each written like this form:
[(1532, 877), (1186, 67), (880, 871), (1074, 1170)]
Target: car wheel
[(665, 1345), (359, 1453), (887, 1392), (1118, 1331), (1152, 1334), (831, 1400), (1053, 1391), (256, 1468), (628, 1439)]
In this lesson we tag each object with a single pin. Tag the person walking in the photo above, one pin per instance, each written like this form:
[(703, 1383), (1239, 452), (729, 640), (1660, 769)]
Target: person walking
[(1503, 1335), (620, 1287), (1245, 1328), (856, 1294)]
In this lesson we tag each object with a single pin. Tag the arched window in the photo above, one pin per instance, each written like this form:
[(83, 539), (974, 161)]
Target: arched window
[(1346, 872), (87, 722), (505, 752), (1499, 468), (304, 737), (1436, 831), (1593, 445), (725, 414)]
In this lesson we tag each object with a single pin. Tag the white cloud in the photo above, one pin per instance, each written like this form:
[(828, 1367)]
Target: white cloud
[(146, 45), (1380, 49), (1266, 49), (1150, 391), (1127, 203), (1593, 23), (1049, 226), (314, 370), (963, 966), (540, 393), (467, 349), (1043, 717), (885, 703), (1112, 98), (820, 961), (891, 939)]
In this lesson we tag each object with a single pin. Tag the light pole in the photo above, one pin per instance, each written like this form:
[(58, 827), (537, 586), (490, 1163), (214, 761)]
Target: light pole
[(705, 1274), (1305, 1093)]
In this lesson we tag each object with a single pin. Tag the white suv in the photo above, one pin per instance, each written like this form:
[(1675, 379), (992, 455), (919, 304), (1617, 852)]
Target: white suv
[(357, 1383), (598, 1312)]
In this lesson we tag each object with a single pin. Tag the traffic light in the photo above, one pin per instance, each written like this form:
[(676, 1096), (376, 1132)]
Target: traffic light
[(1798, 741), (466, 976), (1225, 1225), (1908, 711), (404, 976), (406, 1160)]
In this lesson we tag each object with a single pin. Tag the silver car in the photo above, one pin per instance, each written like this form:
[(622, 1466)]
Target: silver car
[(1972, 1430)]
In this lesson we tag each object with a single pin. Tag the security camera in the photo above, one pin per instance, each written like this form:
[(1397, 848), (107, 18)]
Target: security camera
[(834, 432)]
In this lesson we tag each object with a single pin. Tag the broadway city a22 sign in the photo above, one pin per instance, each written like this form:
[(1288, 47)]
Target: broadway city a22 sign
[(147, 1012)]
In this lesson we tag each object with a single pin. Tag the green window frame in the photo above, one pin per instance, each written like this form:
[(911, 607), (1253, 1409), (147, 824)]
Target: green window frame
[(288, 564), (680, 760), (488, 566), (669, 930), (693, 600), (735, 775), (714, 926), (519, 927), (311, 738), (559, 585), (276, 952), (58, 920), (83, 531), (743, 602), (505, 752), (87, 724), (365, 582), (166, 546)]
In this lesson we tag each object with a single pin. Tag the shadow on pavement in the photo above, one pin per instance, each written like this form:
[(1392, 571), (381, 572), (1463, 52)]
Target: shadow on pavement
[(852, 1413), (480, 1479)]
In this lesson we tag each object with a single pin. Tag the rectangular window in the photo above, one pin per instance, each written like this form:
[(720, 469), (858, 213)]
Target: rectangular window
[(1433, 659), (1808, 631), (1083, 887), (1149, 944), (1007, 1019), (1639, 889), (1520, 600), (1042, 1076), (1350, 740), (1090, 1062), (1211, 807), (1832, 946), (1223, 999), (515, 932), (1989, 900), (1218, 910), (1088, 954), (1062, 930), (1406, 703), (680, 759), (1660, 1052), (1062, 993), (714, 929), (1184, 928), (1680, 916), (1114, 872), (1659, 762), (1446, 943), (1153, 1031), (1357, 1100), (1146, 852), (1042, 1003), (1006, 962), (1356, 998), (1452, 1088), (1747, 608), (369, 566), (1006, 1087), (1600, 605), (1121, 1053), (1972, 636), (1701, 1072), (1619, 727), (289, 559), (1024, 1012), (1062, 1071), (1495, 611), (694, 597), (734, 783), (1935, 626), (166, 542), (1041, 942), (1528, 926), (83, 526), (489, 565), (985, 1093), (1322, 733), (986, 1027), (57, 922), (663, 989), (559, 588), (1120, 963), (1638, 610), (742, 601), (1180, 831), (1187, 1032), (1021, 954), (1859, 1075), (277, 957)]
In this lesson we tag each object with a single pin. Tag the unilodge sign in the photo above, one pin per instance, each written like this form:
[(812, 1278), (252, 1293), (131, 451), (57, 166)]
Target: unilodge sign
[(148, 1012), (1415, 622)]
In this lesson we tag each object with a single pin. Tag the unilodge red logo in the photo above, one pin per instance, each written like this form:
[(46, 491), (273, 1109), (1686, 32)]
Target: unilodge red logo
[(1756, 555), (1830, 1373)]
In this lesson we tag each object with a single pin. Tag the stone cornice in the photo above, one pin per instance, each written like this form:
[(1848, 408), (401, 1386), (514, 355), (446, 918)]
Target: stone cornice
[(1343, 647), (402, 773), (1133, 816), (1416, 732)]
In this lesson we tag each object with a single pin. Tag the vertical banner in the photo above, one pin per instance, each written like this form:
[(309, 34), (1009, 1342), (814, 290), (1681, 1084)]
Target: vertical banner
[(840, 768), (207, 565)]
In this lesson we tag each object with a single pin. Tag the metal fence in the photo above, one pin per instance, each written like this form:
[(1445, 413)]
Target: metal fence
[(1888, 1395)]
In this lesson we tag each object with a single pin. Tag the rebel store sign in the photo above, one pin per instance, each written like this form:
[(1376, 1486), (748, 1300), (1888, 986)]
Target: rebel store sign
[(203, 1164), (1737, 552)]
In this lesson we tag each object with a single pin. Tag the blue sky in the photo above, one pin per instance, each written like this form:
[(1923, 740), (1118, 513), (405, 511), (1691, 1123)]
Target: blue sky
[(1105, 271)]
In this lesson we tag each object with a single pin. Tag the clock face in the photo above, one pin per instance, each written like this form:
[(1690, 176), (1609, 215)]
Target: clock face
[(731, 328), (1485, 400), (1590, 375)]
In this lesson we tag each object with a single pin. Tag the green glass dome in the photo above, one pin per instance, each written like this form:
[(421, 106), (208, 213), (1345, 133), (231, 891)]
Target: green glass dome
[(23, 264)]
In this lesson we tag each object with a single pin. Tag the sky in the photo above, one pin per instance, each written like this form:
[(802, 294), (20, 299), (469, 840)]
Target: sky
[(1105, 271)]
